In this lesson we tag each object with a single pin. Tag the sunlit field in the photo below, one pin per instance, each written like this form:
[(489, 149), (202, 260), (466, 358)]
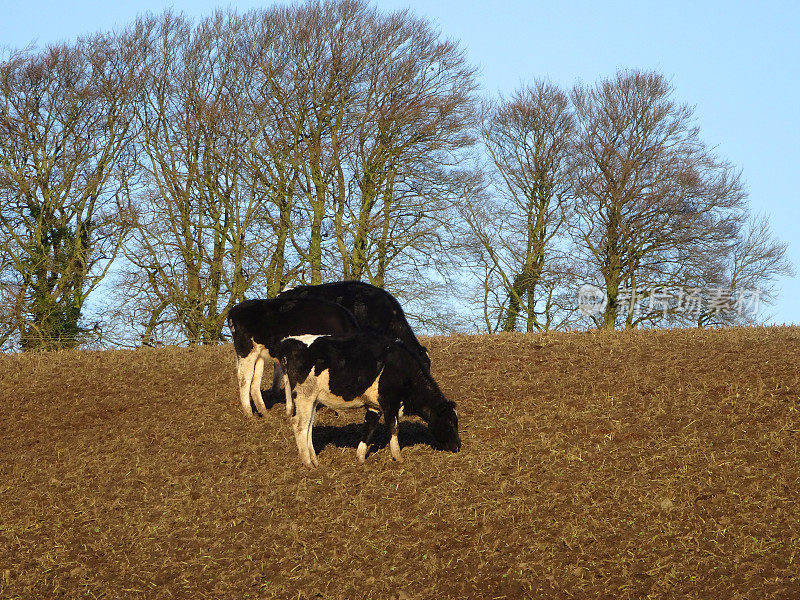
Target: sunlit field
[(657, 464)]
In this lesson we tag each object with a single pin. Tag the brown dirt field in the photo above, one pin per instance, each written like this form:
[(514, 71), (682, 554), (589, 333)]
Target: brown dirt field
[(628, 465)]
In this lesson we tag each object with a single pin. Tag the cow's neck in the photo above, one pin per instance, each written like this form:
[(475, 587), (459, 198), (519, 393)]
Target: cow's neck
[(430, 404)]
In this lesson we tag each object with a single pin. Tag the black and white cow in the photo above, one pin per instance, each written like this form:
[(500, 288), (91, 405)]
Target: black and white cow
[(375, 309), (258, 326), (362, 370)]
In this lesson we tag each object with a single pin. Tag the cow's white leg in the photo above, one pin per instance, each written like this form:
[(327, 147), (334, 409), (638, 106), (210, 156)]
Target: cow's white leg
[(312, 454), (255, 385), (361, 451), (304, 407), (287, 389), (245, 367), (371, 419), (394, 443)]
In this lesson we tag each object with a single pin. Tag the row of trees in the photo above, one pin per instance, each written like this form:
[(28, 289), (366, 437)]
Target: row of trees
[(612, 185), (155, 176)]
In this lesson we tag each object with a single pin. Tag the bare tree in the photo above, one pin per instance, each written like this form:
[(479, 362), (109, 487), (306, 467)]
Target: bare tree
[(519, 231), (413, 120), (65, 162), (359, 119), (273, 130), (293, 144), (377, 107), (323, 44), (654, 206), (742, 281), (196, 223)]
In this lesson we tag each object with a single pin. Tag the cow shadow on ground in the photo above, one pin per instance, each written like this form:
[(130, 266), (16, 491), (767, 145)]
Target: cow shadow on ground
[(271, 398), (348, 436), (411, 433)]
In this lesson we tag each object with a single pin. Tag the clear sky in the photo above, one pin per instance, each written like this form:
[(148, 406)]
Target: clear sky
[(737, 63)]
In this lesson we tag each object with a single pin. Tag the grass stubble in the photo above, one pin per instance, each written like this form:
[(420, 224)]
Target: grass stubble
[(645, 464)]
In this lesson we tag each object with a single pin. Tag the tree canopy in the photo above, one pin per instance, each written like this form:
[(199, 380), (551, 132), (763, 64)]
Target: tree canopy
[(166, 171)]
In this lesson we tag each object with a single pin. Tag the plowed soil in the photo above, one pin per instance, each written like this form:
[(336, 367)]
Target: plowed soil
[(659, 464)]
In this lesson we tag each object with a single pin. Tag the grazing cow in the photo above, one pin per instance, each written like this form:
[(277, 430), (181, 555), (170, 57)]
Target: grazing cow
[(375, 309), (258, 326), (362, 370)]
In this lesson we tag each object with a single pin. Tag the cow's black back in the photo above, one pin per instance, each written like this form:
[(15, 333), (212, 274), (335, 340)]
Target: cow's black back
[(374, 308), (267, 322), (354, 361)]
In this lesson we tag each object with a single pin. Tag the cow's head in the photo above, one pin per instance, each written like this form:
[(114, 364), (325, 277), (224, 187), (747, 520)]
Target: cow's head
[(444, 427)]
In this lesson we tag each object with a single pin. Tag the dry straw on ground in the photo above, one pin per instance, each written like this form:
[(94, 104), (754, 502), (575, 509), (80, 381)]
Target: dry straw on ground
[(626, 465)]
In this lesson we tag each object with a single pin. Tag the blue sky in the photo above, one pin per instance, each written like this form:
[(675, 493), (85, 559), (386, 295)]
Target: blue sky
[(737, 63)]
